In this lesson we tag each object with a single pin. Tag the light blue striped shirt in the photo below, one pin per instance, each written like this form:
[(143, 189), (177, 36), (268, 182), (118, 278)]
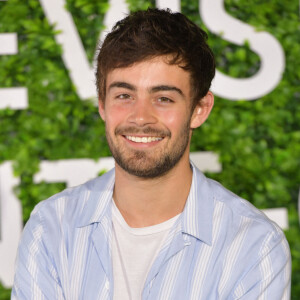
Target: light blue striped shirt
[(220, 247)]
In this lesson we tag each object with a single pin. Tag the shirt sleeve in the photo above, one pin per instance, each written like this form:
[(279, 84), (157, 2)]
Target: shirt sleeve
[(270, 277), (35, 274)]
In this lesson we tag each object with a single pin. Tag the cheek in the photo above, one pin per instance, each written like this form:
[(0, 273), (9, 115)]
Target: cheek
[(174, 119), (115, 116)]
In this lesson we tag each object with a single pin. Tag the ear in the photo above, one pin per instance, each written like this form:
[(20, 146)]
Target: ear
[(101, 108), (202, 110)]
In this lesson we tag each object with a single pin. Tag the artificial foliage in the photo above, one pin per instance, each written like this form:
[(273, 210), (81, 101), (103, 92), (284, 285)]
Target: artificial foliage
[(258, 141)]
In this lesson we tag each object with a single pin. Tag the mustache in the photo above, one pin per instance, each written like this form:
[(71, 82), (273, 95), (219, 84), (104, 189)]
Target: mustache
[(129, 130)]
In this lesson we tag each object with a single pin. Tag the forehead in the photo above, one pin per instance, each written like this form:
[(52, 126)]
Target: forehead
[(151, 72)]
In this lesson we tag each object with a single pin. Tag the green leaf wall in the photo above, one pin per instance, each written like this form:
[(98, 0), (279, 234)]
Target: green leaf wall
[(258, 141)]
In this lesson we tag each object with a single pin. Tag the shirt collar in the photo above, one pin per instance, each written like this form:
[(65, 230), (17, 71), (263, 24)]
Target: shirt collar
[(196, 217), (97, 195)]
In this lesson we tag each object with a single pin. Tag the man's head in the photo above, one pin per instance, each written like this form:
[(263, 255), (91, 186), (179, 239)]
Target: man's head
[(153, 76), (147, 34)]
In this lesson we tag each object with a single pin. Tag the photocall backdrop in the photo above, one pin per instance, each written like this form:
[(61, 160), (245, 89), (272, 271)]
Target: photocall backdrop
[(51, 135)]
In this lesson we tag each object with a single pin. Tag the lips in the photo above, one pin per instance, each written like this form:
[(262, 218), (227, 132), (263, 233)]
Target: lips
[(143, 139)]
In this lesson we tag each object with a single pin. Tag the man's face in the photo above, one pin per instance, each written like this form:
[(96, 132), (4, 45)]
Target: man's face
[(147, 111)]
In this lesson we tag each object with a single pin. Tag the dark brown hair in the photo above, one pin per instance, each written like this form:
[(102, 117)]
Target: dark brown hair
[(154, 32)]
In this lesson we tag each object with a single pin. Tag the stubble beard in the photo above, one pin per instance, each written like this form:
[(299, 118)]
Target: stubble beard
[(149, 164)]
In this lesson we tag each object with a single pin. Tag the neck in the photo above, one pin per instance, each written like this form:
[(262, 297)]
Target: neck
[(146, 202)]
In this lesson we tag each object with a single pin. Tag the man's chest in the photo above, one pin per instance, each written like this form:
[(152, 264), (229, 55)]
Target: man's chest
[(185, 269)]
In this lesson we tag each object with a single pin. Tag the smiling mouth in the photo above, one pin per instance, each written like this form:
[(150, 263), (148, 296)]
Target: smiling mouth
[(143, 139)]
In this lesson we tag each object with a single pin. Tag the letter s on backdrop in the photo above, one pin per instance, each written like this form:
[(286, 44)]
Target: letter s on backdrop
[(262, 43)]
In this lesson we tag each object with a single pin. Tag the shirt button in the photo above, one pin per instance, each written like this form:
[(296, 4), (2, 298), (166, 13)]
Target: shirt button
[(107, 285)]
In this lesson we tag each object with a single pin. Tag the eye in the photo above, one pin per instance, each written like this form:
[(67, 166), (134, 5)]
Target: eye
[(164, 100), (123, 96)]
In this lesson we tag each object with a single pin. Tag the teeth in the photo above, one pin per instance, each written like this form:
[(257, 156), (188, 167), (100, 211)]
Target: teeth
[(143, 139)]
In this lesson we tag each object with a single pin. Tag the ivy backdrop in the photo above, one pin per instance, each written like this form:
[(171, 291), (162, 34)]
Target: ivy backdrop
[(258, 141)]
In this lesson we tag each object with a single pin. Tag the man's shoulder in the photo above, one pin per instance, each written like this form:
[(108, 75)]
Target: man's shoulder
[(238, 223), (249, 246), (236, 209), (70, 203)]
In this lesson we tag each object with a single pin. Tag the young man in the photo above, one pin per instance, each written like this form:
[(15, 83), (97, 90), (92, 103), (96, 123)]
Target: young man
[(154, 227)]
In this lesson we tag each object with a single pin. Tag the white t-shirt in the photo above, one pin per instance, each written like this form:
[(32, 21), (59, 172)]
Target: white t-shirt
[(133, 253)]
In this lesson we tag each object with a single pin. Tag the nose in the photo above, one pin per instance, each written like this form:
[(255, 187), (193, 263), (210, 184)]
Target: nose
[(142, 113)]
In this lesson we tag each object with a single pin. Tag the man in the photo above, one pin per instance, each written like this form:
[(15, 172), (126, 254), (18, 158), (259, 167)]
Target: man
[(154, 227)]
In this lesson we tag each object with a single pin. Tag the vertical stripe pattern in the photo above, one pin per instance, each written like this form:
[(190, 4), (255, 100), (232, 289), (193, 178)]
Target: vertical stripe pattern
[(221, 247)]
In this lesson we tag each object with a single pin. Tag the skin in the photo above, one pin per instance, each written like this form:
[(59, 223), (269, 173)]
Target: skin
[(151, 99)]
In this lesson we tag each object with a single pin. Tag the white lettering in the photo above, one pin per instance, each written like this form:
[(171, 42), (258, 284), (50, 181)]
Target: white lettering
[(279, 216), (216, 19), (264, 44), (10, 223), (8, 43), (174, 5), (77, 171), (118, 9), (13, 98), (72, 171), (74, 56), (206, 161)]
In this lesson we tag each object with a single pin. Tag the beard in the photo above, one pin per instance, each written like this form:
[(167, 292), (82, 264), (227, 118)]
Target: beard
[(149, 163)]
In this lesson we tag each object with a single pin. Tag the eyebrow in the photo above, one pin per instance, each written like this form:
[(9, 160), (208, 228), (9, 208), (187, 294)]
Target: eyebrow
[(166, 88), (154, 89), (121, 84)]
